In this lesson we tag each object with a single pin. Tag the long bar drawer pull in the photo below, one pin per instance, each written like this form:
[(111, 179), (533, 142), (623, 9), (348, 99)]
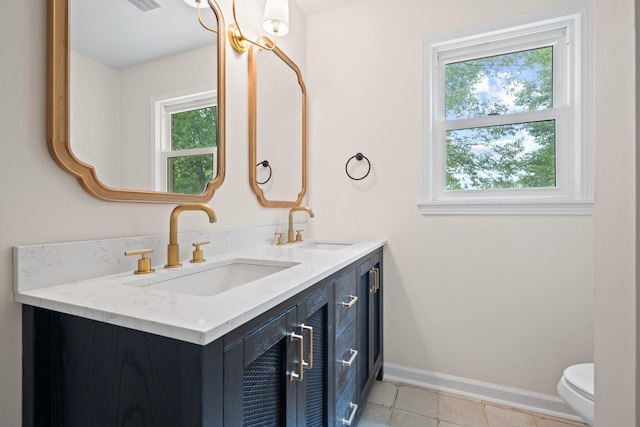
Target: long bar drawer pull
[(376, 272), (354, 409), (298, 376), (352, 300), (354, 354), (372, 281), (303, 328)]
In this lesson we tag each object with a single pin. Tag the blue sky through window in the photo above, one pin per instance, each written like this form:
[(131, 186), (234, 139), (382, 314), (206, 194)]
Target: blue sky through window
[(502, 84), (504, 155)]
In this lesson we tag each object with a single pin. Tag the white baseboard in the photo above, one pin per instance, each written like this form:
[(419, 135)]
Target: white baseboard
[(521, 399)]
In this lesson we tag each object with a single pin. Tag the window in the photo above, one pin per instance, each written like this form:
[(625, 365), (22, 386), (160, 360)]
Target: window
[(507, 128), (186, 143)]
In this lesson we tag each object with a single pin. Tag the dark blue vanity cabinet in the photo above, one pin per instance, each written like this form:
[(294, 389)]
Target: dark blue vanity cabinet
[(278, 374), (346, 354), (80, 372), (358, 319), (369, 323), (310, 361)]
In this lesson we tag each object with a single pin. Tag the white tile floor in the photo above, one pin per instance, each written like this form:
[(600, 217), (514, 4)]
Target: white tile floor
[(394, 405)]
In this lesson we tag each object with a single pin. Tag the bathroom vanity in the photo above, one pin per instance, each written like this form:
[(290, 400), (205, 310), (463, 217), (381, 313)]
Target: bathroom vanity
[(299, 347)]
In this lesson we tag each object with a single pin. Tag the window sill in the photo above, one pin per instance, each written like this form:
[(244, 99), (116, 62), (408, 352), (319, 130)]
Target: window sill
[(506, 208)]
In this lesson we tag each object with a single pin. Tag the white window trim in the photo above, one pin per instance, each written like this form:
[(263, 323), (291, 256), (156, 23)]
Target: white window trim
[(162, 106), (573, 194)]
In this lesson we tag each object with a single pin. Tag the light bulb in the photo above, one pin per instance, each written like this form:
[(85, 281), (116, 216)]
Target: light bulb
[(276, 17)]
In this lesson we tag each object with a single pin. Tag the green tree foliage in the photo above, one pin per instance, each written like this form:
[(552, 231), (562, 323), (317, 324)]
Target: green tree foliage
[(189, 130), (505, 156)]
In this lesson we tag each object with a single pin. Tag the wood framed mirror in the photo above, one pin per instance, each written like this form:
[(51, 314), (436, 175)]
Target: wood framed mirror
[(126, 158), (277, 128)]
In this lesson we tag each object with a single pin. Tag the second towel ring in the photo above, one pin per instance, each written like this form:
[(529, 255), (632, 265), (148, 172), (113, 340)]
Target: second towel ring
[(358, 157), (265, 163)]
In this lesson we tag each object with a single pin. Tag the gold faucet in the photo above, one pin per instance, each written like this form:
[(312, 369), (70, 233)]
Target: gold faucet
[(173, 249), (290, 238)]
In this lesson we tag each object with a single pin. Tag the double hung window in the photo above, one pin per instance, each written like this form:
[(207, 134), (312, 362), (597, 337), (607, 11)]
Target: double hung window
[(186, 143), (507, 121)]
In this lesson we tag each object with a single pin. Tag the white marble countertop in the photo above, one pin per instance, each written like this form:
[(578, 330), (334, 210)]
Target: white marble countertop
[(120, 300)]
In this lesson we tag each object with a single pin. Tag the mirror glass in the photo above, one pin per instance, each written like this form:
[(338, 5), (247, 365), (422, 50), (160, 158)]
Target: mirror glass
[(145, 98), (278, 128)]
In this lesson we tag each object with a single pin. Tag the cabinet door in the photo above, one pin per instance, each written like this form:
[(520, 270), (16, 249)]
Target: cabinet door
[(313, 318), (375, 321), (260, 388), (369, 324), (278, 374)]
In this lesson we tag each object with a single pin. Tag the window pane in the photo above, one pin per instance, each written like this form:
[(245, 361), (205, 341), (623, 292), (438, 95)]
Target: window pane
[(194, 129), (509, 156), (511, 83), (189, 174)]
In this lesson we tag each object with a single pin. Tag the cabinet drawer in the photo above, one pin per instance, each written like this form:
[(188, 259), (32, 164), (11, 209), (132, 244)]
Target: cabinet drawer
[(344, 290), (346, 373), (344, 407)]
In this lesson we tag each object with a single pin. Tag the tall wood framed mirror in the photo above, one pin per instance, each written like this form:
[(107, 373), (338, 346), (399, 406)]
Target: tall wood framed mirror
[(277, 128), (136, 98)]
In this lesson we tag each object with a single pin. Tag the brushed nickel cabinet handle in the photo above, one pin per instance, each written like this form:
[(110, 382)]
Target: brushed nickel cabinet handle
[(352, 300), (372, 281), (354, 409), (303, 328), (293, 375), (354, 354), (376, 272)]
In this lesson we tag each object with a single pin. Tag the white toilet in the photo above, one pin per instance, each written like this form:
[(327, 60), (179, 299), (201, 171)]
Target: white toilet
[(576, 388)]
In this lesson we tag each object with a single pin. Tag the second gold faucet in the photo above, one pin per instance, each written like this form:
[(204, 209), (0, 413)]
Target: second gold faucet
[(173, 249), (307, 209)]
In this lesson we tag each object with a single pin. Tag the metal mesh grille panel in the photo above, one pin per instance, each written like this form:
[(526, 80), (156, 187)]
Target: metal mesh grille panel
[(316, 378), (264, 389)]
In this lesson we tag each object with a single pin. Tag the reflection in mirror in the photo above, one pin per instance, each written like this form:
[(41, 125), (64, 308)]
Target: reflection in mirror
[(278, 128), (125, 55), (144, 98)]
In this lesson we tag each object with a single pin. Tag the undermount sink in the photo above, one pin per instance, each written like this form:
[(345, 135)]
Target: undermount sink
[(216, 278), (326, 246)]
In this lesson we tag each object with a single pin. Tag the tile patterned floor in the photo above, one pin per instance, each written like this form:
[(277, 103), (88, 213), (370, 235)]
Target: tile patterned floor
[(392, 405)]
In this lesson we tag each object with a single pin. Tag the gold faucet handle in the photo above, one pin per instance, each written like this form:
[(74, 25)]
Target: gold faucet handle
[(197, 252), (299, 235), (144, 263), (280, 238)]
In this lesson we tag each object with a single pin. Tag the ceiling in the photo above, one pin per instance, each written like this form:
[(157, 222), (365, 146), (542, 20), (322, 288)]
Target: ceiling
[(120, 36), (311, 7)]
